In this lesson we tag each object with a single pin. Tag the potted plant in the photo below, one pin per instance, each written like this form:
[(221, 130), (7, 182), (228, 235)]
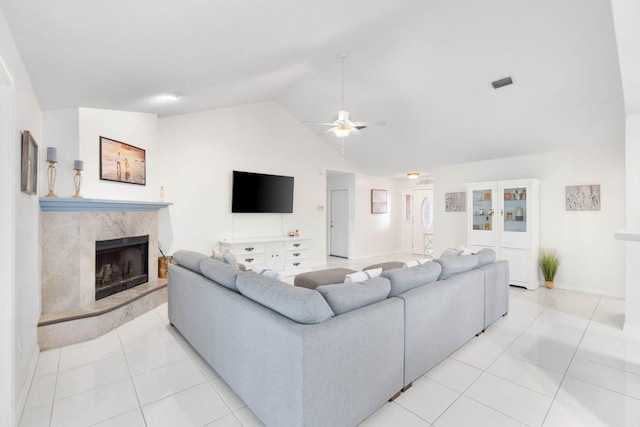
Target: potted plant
[(549, 263)]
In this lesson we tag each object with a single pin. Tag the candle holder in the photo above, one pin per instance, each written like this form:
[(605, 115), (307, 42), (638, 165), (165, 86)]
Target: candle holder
[(77, 181), (51, 174)]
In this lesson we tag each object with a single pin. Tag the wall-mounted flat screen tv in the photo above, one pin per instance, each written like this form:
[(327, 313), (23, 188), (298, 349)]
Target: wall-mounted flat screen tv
[(260, 193)]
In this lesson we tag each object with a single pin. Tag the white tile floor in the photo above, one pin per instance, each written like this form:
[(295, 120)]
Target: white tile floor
[(559, 358)]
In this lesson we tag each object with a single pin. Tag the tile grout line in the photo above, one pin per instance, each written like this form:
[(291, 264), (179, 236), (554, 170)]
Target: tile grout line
[(133, 384), (564, 375), (485, 370)]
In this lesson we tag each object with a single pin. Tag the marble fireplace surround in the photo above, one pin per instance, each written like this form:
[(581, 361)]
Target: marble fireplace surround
[(69, 230)]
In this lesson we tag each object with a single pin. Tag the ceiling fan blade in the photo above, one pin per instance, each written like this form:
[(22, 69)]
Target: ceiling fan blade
[(365, 124), (320, 123)]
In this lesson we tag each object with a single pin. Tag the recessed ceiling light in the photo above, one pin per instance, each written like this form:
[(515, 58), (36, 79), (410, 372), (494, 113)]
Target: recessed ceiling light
[(413, 175), (170, 97)]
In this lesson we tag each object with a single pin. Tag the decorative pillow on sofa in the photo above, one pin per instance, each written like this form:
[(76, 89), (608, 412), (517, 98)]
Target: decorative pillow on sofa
[(301, 305), (450, 252), (189, 259), (229, 258), (465, 250), (361, 276), (344, 297), (220, 272), (217, 254), (403, 279), (456, 265), (269, 273), (485, 256), (415, 262)]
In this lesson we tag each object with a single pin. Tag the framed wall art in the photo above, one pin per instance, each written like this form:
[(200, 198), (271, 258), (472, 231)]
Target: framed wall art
[(582, 198), (29, 166), (454, 202), (122, 162), (378, 201)]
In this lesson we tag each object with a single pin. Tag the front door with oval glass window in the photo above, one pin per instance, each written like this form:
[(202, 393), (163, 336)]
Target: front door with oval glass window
[(423, 222)]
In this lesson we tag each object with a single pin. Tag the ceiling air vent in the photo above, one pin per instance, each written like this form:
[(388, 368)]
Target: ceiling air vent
[(502, 83)]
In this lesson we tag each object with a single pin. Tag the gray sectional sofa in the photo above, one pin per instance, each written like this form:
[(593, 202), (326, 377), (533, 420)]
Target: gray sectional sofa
[(331, 356)]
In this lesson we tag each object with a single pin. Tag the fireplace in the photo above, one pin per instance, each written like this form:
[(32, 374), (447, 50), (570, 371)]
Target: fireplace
[(121, 264)]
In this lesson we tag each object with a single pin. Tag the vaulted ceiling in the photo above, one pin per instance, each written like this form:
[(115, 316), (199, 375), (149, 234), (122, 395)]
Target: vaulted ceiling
[(422, 66)]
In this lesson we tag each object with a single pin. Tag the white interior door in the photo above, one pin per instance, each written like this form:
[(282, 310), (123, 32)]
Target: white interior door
[(339, 223), (422, 219)]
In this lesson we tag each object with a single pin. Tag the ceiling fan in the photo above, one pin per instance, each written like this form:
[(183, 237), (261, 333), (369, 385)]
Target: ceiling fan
[(342, 126)]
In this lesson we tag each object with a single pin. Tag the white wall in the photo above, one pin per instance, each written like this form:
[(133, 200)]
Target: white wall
[(21, 280), (76, 132), (592, 260), (197, 154), (377, 234), (632, 221)]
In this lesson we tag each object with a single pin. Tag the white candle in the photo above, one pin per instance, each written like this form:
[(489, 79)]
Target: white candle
[(52, 155), (77, 164)]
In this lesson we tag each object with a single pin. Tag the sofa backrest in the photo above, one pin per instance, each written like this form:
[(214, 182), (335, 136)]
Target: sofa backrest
[(403, 279), (301, 305), (224, 274), (189, 259), (344, 297), (456, 265), (485, 256)]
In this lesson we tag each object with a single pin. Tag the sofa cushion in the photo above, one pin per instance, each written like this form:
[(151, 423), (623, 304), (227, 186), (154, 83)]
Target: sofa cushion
[(456, 265), (301, 305), (403, 279), (344, 297), (220, 272), (189, 259), (485, 256), (361, 276)]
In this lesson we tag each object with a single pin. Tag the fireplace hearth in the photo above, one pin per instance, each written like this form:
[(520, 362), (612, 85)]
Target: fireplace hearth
[(121, 264)]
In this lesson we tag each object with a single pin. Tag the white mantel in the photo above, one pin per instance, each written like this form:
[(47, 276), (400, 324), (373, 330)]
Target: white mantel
[(70, 204)]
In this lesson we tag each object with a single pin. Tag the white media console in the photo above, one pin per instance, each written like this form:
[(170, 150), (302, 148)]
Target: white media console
[(286, 255)]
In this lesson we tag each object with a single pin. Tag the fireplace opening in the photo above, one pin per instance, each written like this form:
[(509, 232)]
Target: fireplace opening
[(121, 264)]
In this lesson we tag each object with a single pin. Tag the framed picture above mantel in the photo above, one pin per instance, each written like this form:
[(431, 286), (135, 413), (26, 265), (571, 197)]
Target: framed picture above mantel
[(122, 162)]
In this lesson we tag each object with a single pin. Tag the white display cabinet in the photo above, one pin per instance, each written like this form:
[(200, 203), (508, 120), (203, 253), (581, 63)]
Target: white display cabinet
[(504, 216)]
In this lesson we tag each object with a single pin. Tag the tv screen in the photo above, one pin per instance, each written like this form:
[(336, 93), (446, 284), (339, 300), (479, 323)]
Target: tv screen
[(260, 193)]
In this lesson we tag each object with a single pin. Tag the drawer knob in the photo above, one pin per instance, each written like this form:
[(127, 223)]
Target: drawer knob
[(296, 254), (248, 259), (296, 245), (248, 249), (296, 264)]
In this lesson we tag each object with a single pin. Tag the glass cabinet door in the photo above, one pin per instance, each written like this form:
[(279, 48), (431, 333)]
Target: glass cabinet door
[(515, 210), (482, 210)]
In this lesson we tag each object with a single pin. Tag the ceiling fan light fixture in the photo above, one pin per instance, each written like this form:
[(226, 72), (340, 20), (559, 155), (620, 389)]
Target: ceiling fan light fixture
[(413, 175), (342, 130)]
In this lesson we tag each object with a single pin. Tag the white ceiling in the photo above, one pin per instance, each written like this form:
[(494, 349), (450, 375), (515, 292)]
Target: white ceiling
[(422, 66)]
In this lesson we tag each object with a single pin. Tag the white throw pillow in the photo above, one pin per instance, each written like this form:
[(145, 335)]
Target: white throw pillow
[(217, 254), (465, 250), (361, 276), (415, 262)]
